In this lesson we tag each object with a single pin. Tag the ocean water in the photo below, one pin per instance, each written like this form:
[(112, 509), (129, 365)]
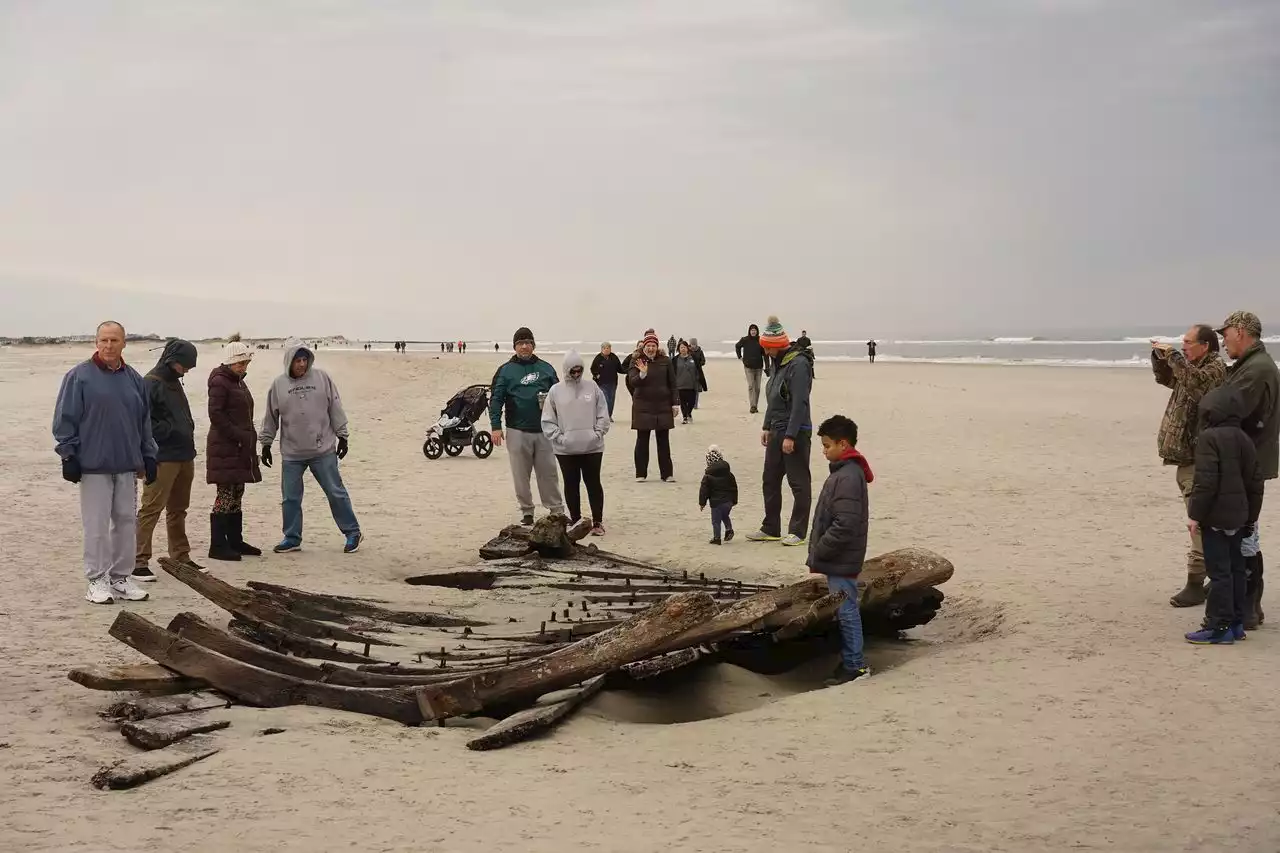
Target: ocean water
[(1130, 351)]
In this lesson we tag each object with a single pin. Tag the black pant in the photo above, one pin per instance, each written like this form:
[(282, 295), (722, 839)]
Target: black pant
[(584, 468), (665, 468), (1255, 585), (795, 466), (1224, 564), (688, 399)]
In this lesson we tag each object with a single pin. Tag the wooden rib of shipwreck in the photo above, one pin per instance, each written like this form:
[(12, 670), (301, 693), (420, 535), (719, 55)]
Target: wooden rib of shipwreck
[(287, 642), (354, 608)]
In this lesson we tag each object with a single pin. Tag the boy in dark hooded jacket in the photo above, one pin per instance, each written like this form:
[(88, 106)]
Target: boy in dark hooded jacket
[(1224, 504), (720, 489)]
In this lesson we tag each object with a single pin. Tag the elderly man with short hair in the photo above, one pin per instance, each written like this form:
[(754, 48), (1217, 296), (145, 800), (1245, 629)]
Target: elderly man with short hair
[(102, 426), (1253, 373), (1191, 373)]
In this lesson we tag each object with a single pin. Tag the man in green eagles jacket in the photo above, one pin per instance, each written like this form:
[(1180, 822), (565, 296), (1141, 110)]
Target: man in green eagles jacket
[(519, 389)]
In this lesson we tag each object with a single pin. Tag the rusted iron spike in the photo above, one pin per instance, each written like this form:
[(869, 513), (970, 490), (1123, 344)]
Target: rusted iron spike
[(566, 615), (553, 616), (542, 630)]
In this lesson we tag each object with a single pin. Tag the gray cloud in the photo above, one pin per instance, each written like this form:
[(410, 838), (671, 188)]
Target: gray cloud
[(420, 170)]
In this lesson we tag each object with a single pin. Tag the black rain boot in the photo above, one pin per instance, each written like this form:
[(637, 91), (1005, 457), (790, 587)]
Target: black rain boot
[(235, 535), (1195, 593), (219, 546)]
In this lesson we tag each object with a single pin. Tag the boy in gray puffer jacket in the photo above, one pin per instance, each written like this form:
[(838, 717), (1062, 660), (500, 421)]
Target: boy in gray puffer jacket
[(575, 419)]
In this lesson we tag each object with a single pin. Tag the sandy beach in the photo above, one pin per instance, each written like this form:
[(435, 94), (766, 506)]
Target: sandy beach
[(1052, 706)]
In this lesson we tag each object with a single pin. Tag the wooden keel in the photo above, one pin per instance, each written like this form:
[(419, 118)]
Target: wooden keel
[(533, 721)]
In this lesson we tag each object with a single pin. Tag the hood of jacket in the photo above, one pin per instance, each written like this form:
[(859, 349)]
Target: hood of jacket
[(1223, 406), (797, 351), (753, 331), (176, 351), (718, 468), (293, 349), (575, 417), (855, 456), (571, 360)]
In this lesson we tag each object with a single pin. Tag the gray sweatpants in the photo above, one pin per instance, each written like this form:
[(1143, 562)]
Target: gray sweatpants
[(753, 385), (531, 452), (109, 511)]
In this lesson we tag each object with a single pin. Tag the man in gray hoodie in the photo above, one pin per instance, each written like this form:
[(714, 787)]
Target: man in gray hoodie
[(304, 406)]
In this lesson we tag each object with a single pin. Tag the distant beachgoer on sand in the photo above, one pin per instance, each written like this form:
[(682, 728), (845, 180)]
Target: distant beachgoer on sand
[(102, 427), (803, 341), (626, 362), (1191, 373), (519, 389), (651, 379), (751, 354), (787, 436), (871, 351), (495, 347), (687, 377), (605, 370), (701, 358), (1254, 373), (174, 432), (304, 406), (673, 346), (575, 419), (231, 458), (719, 489)]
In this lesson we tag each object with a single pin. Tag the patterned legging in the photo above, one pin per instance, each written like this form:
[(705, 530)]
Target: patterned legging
[(228, 500)]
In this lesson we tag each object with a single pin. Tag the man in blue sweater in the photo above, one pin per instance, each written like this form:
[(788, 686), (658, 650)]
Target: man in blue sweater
[(102, 426)]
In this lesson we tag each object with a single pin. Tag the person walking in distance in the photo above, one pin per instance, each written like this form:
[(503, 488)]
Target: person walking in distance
[(575, 419), (871, 351), (672, 346), (174, 431), (700, 358), (686, 367), (231, 460), (304, 406), (751, 354), (518, 391), (102, 434), (787, 436), (1191, 373), (605, 370), (651, 380), (1253, 373)]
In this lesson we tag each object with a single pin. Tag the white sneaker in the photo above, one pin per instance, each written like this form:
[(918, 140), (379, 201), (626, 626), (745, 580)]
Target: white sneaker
[(792, 540), (642, 479), (99, 592), (126, 589)]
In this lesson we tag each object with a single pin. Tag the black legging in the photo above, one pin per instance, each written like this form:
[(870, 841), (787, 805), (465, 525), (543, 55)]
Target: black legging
[(584, 468), (688, 399), (665, 468)]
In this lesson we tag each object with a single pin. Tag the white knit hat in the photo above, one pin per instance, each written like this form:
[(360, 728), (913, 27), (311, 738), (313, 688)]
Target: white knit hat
[(236, 351)]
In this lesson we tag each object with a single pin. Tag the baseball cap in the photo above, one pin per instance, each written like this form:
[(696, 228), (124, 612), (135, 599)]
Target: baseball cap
[(1245, 320)]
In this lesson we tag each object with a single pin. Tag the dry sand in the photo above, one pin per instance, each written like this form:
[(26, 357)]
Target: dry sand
[(1053, 706)]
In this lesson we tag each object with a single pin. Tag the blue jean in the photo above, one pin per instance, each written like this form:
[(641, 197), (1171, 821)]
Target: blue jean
[(849, 618), (610, 393), (720, 516), (325, 470)]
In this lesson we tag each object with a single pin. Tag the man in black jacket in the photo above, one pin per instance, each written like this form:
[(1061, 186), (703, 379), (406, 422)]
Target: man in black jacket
[(1254, 374), (174, 431), (605, 368), (751, 354)]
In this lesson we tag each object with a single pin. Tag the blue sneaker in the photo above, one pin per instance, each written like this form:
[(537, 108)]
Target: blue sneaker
[(1212, 637), (286, 546), (1237, 631), (353, 543)]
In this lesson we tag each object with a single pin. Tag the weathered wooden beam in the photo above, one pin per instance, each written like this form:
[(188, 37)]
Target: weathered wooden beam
[(254, 685), (247, 605), (365, 610), (820, 612), (661, 665), (467, 579), (536, 720), (159, 732), (139, 769), (634, 640), (148, 707), (281, 640), (904, 569), (143, 677)]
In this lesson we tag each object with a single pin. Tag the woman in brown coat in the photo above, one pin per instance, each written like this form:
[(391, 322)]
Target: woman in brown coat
[(231, 456), (651, 380)]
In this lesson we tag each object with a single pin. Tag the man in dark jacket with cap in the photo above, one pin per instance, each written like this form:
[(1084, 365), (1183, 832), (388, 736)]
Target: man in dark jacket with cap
[(518, 391), (1253, 373), (174, 431)]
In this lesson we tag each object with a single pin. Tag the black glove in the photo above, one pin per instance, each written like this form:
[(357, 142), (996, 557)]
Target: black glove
[(149, 466), (342, 448), (71, 469), (266, 455)]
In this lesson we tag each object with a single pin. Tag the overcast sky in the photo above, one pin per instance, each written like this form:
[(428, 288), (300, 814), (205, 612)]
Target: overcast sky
[(589, 168)]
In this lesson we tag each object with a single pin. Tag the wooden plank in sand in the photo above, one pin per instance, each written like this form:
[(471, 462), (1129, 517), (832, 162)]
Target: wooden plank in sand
[(139, 769), (159, 732), (541, 718), (143, 677), (147, 707)]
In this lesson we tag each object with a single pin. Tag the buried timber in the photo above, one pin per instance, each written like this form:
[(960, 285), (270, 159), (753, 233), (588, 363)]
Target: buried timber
[(586, 629)]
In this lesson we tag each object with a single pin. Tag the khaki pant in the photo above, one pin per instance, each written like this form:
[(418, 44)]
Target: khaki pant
[(170, 493), (1195, 554)]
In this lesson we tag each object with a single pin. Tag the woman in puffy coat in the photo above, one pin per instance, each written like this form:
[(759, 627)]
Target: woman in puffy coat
[(651, 380), (231, 454)]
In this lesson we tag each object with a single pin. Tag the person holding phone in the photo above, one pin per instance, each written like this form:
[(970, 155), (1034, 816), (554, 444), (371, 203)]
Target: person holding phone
[(651, 380)]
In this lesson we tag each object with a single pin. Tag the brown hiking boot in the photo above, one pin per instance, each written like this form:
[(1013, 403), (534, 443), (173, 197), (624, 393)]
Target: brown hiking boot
[(1193, 594)]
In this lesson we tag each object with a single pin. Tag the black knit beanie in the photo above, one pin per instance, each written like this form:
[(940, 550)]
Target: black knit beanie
[(522, 334)]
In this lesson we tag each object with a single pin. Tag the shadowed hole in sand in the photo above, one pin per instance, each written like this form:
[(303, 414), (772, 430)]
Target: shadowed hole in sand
[(748, 678)]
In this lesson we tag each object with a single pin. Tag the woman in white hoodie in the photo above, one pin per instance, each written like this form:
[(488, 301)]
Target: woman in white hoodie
[(575, 418)]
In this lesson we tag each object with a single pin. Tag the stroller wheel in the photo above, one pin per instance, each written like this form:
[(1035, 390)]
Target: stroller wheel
[(454, 449), (432, 448), (482, 444)]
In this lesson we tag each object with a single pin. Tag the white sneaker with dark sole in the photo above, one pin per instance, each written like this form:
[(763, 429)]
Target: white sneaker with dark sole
[(791, 540), (125, 589), (99, 592)]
